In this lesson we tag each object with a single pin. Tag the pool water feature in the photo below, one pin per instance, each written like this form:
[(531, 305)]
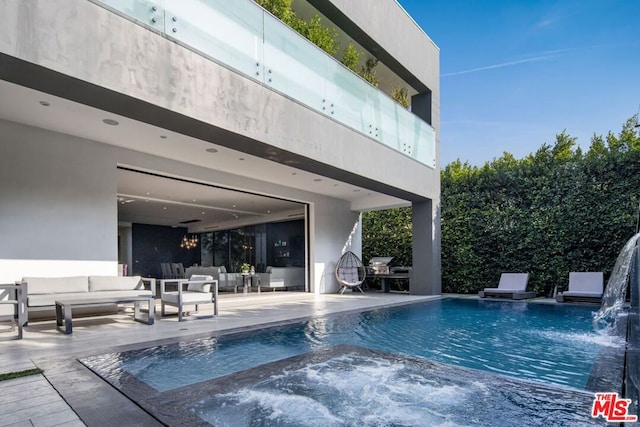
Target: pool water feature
[(463, 349), (613, 299)]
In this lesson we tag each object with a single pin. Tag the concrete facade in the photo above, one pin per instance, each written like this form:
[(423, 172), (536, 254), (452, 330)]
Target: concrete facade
[(63, 219)]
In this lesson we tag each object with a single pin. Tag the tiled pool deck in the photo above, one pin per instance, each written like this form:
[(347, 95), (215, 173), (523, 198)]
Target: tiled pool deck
[(67, 394)]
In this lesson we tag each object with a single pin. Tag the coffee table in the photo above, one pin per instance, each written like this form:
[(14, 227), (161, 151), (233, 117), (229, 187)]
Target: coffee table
[(65, 305)]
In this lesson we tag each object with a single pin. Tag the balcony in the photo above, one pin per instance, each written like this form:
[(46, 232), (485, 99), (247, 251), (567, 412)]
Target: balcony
[(242, 36)]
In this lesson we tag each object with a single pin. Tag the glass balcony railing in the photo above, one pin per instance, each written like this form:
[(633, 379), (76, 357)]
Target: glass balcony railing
[(241, 35)]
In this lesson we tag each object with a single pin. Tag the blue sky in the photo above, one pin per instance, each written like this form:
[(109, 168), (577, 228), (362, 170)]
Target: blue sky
[(513, 74)]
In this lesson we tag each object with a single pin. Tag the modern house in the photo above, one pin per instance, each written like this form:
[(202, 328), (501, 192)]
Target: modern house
[(128, 127)]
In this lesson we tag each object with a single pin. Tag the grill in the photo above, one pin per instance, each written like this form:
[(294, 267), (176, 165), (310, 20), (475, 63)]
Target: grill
[(384, 265), (379, 265)]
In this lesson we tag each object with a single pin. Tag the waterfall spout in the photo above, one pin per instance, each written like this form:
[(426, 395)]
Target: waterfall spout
[(614, 293)]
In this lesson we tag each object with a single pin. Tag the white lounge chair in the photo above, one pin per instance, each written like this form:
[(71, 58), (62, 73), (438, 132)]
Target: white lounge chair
[(511, 285), (200, 290), (583, 287)]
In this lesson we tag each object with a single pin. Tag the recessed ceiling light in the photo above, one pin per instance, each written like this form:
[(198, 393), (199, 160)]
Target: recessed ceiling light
[(202, 213), (317, 180), (110, 122), (164, 207), (233, 206), (212, 150), (268, 211), (163, 136), (44, 103), (148, 194), (193, 200)]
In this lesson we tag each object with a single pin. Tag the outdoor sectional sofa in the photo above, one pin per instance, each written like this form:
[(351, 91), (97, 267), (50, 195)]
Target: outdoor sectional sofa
[(41, 293)]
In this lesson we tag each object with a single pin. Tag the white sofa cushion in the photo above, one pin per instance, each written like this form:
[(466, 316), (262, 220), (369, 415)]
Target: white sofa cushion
[(114, 283), (187, 297), (120, 294), (43, 300), (56, 285), (199, 287)]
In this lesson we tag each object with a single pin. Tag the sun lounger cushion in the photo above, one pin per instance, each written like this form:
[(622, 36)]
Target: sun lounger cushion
[(584, 286), (512, 285), (591, 282), (514, 281), (582, 294)]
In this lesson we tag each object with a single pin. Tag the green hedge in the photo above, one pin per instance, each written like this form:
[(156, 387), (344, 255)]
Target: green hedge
[(555, 211)]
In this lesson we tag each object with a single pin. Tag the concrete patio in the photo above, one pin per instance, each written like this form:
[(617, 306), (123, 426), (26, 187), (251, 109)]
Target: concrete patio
[(68, 394)]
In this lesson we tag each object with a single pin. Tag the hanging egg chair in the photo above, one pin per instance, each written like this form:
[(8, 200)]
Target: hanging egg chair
[(350, 272)]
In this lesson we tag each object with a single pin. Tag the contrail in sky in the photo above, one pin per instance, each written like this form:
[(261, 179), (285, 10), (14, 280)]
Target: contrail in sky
[(501, 65)]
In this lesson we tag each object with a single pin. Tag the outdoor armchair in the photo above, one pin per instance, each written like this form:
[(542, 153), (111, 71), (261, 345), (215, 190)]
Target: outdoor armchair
[(192, 292)]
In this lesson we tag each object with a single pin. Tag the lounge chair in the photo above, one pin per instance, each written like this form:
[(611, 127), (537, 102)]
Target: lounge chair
[(200, 290), (511, 285), (350, 272), (583, 287)]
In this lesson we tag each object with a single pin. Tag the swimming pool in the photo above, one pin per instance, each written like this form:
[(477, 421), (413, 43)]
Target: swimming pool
[(542, 346)]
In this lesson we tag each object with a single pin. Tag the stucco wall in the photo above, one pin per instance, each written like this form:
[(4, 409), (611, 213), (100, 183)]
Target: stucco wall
[(335, 230), (58, 213)]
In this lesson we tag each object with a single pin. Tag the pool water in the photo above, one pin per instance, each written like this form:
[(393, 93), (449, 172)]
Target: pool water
[(546, 343)]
